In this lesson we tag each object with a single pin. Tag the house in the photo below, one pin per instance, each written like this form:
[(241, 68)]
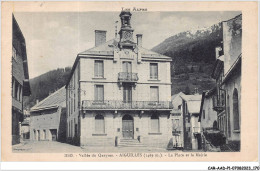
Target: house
[(20, 79), (119, 93), (191, 126), (208, 116), (48, 118), (177, 122), (227, 72)]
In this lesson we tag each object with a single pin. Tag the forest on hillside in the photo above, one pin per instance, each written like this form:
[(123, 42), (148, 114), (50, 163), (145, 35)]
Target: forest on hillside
[(46, 84)]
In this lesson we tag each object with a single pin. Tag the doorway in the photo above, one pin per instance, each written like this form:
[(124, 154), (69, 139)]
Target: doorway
[(53, 134), (128, 127)]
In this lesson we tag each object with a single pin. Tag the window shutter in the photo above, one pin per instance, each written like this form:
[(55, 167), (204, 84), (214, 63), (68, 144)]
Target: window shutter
[(96, 93), (99, 124), (96, 69)]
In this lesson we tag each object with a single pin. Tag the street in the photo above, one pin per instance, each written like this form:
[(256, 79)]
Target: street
[(58, 147)]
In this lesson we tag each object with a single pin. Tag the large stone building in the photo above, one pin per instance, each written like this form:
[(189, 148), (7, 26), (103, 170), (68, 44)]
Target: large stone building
[(20, 80), (227, 72), (119, 93), (48, 118)]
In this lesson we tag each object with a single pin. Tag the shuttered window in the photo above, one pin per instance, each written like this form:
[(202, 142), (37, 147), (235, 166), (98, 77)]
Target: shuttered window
[(155, 124), (153, 71), (154, 93), (99, 93), (99, 69), (127, 94), (99, 124), (127, 67)]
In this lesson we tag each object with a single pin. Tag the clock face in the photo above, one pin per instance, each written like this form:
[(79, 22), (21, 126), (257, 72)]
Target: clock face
[(127, 35)]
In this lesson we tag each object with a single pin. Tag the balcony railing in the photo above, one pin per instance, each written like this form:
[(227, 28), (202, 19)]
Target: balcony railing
[(218, 103), (114, 104), (127, 77)]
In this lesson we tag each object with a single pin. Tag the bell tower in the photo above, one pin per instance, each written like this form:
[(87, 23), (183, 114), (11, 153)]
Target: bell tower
[(126, 31)]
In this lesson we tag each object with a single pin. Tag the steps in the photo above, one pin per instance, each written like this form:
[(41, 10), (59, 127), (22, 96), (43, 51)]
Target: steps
[(130, 143)]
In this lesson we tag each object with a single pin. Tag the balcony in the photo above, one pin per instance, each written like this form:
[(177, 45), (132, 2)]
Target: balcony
[(218, 103), (127, 77), (134, 105)]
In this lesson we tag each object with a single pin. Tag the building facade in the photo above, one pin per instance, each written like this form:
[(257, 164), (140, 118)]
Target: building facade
[(48, 118), (177, 122), (119, 93), (20, 80), (191, 125), (227, 72), (208, 117)]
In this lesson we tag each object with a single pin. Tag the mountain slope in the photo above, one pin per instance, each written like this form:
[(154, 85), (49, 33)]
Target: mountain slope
[(193, 55), (45, 84)]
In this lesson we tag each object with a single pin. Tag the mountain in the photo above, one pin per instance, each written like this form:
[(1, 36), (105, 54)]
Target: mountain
[(193, 54), (46, 84)]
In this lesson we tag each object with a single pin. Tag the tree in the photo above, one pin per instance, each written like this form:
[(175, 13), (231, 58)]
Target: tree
[(200, 69), (192, 69)]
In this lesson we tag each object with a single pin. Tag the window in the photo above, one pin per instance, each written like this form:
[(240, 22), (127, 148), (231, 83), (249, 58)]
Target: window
[(155, 124), (99, 124), (44, 134), (203, 112), (99, 93), (14, 53), (228, 117), (154, 94), (99, 69), (13, 87), (127, 67), (127, 94), (236, 110), (153, 71), (21, 93)]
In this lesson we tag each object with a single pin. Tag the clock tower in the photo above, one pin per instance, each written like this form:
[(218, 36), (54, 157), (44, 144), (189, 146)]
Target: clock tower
[(126, 31)]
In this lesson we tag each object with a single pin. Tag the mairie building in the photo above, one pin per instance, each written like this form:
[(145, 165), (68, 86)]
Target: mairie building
[(119, 93)]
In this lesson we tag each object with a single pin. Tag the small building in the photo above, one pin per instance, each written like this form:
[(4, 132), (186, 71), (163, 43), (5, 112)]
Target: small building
[(20, 80), (48, 118), (191, 126), (119, 93), (208, 116)]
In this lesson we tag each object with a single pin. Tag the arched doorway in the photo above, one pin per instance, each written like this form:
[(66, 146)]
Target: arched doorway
[(128, 127)]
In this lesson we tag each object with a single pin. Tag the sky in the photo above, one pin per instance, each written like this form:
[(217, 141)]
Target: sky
[(53, 40)]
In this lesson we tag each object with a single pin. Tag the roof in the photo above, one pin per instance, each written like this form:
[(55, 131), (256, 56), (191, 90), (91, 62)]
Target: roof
[(193, 102), (107, 49), (233, 69), (56, 99), (176, 95)]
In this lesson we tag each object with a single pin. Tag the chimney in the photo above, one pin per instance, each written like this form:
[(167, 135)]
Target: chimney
[(196, 91), (37, 101), (100, 37), (139, 40)]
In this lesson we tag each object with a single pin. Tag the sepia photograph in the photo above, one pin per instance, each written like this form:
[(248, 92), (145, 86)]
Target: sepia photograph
[(127, 83), (145, 83)]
